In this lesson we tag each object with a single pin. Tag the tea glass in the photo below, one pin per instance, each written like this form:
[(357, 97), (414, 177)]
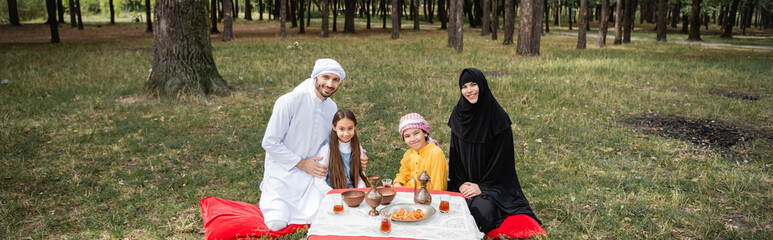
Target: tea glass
[(386, 182), (444, 207), (386, 225), (338, 205)]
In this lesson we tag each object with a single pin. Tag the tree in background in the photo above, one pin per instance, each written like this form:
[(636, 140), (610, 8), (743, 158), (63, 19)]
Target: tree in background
[(494, 19), (619, 22), (415, 14), (628, 15), (182, 52), (730, 20), (228, 28), (661, 27), (325, 18), (509, 22), (486, 21), (248, 10), (395, 20), (349, 16), (13, 13), (77, 11), (451, 22), (112, 12), (213, 17), (147, 16), (60, 10), (695, 21), (51, 7), (71, 9), (283, 18), (459, 42), (530, 28), (581, 36), (601, 40)]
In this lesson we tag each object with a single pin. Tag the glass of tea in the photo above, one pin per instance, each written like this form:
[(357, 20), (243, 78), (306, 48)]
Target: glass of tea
[(386, 182), (386, 224), (338, 205), (444, 207)]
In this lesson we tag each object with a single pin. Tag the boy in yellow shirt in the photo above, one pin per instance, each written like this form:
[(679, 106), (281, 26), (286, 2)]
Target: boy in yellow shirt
[(424, 154)]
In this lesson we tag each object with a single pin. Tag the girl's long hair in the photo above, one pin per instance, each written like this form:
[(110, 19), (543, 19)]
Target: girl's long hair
[(337, 177)]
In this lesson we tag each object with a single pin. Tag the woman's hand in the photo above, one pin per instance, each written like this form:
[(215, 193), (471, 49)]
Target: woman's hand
[(469, 190)]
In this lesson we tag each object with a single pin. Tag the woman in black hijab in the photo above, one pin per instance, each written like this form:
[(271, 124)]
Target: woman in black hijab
[(481, 159)]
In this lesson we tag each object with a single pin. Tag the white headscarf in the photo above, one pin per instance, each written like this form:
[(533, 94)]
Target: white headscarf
[(327, 65)]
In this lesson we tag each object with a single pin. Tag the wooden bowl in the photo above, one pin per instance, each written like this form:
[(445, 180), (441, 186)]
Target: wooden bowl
[(387, 195), (353, 198)]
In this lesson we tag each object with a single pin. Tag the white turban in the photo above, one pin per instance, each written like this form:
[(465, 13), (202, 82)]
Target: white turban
[(327, 65)]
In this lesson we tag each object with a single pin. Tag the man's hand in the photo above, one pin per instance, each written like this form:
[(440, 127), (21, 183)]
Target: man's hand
[(364, 160), (398, 184), (469, 190), (313, 168)]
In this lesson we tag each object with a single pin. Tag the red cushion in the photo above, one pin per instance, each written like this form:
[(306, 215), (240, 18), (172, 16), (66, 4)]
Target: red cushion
[(517, 226), (225, 219)]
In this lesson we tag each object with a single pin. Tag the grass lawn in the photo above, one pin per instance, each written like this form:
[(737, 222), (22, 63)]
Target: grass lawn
[(83, 157)]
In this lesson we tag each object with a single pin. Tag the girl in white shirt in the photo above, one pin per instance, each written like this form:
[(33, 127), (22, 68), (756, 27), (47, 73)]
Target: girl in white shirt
[(344, 169)]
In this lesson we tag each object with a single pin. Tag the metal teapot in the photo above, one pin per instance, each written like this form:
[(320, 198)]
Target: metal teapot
[(422, 196)]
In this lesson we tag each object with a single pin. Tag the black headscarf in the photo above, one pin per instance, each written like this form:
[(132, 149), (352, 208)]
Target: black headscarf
[(482, 152), (481, 121)]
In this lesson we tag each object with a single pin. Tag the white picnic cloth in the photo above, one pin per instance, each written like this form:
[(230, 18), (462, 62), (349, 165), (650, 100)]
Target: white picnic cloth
[(456, 224)]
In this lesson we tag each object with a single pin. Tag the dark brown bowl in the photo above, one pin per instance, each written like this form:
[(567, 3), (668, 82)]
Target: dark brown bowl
[(387, 195), (353, 198)]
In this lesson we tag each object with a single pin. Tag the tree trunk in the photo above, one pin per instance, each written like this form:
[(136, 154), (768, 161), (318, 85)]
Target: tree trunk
[(415, 14), (547, 17), (510, 21), (662, 20), (228, 30), (695, 21), (302, 30), (530, 27), (182, 53), (60, 10), (325, 18), (451, 22), (459, 26), (349, 16), (112, 12), (431, 9), (213, 17), (619, 22), (494, 19), (581, 34), (685, 23), (283, 18), (78, 14), (367, 12), (675, 14), (335, 15), (395, 19), (71, 10), (486, 21), (13, 12), (628, 21), (730, 20), (383, 13), (442, 14), (601, 39), (235, 9), (571, 17), (51, 8), (149, 22), (248, 10)]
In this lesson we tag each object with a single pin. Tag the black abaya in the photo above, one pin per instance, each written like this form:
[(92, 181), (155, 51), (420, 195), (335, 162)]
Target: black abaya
[(485, 157)]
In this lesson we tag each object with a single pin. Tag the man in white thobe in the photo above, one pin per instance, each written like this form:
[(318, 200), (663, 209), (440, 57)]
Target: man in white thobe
[(299, 126)]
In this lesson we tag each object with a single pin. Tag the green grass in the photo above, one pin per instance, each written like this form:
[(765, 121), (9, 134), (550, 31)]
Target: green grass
[(83, 157)]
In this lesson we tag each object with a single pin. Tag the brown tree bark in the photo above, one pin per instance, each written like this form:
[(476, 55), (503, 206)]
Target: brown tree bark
[(367, 12), (51, 8), (112, 12), (71, 10), (510, 21), (335, 14), (628, 21), (228, 30), (302, 29), (60, 10), (451, 22), (601, 39), (349, 16), (662, 20), (283, 18), (581, 34), (213, 17), (547, 17), (395, 19), (459, 26), (78, 14), (149, 22), (494, 19), (486, 21), (677, 8), (13, 12), (530, 28), (730, 21), (248, 10), (695, 21), (442, 14), (415, 14), (182, 53), (619, 22), (235, 9), (325, 18)]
